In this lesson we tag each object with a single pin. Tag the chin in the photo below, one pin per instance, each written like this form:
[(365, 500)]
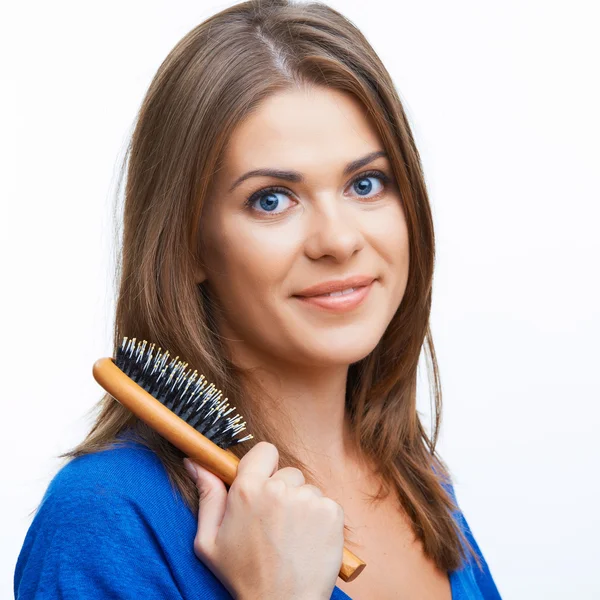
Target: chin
[(340, 349)]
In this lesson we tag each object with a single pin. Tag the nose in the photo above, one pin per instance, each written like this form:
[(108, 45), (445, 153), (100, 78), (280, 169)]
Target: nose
[(334, 230)]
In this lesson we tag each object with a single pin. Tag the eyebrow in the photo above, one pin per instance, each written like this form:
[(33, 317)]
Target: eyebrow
[(297, 177)]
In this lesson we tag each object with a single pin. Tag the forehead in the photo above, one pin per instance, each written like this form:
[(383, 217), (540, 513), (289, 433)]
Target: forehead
[(301, 128)]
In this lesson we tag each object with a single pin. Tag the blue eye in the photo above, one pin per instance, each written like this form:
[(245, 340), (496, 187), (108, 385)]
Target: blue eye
[(360, 187), (267, 198)]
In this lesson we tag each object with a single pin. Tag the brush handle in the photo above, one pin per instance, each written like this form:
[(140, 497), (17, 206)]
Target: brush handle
[(182, 435)]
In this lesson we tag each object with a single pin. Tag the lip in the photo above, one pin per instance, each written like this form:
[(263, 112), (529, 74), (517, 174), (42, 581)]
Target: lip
[(336, 285), (339, 304)]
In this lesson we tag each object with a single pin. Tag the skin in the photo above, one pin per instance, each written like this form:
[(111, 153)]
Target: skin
[(329, 227)]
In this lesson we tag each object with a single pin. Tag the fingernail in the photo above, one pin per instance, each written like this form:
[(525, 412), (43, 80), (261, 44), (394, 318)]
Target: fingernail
[(189, 467)]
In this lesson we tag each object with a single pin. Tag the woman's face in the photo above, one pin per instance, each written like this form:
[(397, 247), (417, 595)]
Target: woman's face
[(326, 224)]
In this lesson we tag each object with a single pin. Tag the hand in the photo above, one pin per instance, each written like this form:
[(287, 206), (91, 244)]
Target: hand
[(272, 536)]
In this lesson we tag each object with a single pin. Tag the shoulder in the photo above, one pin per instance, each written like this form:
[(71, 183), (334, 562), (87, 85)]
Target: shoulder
[(125, 485), (127, 466), (111, 525), (113, 493), (475, 580), (126, 472)]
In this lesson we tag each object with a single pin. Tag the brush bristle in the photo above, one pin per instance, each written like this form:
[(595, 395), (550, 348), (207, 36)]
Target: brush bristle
[(188, 395)]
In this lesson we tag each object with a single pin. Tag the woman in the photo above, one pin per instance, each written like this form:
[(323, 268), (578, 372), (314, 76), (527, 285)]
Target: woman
[(271, 165)]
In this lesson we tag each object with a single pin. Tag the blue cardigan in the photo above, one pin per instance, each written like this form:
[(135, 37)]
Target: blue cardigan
[(110, 525)]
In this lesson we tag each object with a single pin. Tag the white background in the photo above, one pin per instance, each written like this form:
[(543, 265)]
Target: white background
[(503, 98)]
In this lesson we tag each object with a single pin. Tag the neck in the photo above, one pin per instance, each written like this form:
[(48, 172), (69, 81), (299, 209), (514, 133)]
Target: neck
[(313, 413), (308, 406)]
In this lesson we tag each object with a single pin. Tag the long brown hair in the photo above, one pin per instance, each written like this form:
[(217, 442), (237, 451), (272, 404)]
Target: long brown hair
[(211, 80)]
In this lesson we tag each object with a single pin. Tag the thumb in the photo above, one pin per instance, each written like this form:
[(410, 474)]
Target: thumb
[(212, 502)]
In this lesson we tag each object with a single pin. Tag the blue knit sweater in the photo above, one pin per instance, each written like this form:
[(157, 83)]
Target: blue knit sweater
[(110, 525)]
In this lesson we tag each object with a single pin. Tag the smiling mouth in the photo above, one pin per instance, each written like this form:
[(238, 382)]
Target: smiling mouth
[(339, 301), (347, 285), (342, 293)]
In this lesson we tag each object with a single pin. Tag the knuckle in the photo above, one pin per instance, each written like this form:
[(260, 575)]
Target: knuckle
[(261, 452), (291, 474), (267, 447), (200, 547), (332, 508), (297, 472), (242, 488), (308, 493), (275, 488), (272, 450)]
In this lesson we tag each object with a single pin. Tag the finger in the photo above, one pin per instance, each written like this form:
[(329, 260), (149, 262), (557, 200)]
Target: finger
[(212, 503), (260, 461), (314, 489), (292, 476)]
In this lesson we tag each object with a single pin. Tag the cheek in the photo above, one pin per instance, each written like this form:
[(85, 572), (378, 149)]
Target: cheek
[(389, 237), (252, 262), (388, 234)]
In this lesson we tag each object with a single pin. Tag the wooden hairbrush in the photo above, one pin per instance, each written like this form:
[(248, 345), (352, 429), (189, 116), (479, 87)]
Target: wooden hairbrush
[(185, 409)]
